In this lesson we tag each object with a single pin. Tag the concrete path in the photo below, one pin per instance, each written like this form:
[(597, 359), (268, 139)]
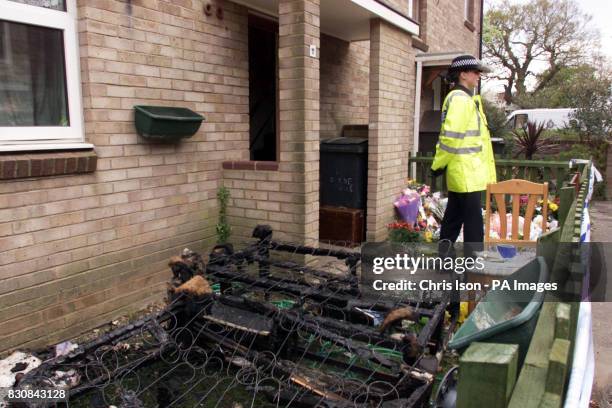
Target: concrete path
[(601, 232)]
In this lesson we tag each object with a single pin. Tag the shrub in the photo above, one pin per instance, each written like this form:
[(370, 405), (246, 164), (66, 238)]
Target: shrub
[(222, 228), (530, 141), (595, 151), (496, 119), (401, 231)]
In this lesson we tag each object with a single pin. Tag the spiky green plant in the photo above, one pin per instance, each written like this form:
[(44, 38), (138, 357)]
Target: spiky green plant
[(529, 141)]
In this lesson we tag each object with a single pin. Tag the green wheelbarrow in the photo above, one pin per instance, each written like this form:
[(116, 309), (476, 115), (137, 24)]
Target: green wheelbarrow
[(506, 316)]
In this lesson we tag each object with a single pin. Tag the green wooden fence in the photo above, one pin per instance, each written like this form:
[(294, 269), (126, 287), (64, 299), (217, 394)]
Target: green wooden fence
[(542, 380), (545, 373), (538, 171)]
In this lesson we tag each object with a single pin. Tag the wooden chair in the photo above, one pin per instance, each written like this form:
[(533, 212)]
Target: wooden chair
[(515, 188)]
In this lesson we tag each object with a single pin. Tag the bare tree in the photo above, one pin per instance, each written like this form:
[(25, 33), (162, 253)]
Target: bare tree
[(518, 36)]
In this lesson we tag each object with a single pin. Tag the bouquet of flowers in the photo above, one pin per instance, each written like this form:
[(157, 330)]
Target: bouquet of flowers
[(535, 230), (407, 205), (553, 207), (401, 231), (420, 212)]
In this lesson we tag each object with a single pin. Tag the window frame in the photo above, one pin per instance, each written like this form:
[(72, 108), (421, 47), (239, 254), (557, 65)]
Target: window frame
[(5, 54), (413, 10), (14, 138), (265, 23)]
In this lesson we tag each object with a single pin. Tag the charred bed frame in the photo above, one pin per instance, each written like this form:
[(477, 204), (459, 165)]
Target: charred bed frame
[(280, 332)]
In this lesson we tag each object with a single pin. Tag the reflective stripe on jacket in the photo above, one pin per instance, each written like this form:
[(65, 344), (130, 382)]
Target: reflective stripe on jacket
[(464, 147)]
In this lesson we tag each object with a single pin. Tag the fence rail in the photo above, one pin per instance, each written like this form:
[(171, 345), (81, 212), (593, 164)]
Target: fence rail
[(538, 171), (544, 376)]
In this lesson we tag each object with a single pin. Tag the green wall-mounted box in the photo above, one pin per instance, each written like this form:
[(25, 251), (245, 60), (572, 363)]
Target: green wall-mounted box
[(166, 123)]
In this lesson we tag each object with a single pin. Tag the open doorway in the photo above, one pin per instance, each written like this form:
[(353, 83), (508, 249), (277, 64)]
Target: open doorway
[(263, 80)]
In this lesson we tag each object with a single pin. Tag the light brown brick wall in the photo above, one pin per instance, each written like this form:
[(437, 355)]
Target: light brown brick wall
[(345, 78), (392, 76), (275, 198), (346, 98), (443, 27), (76, 251), (287, 199), (299, 98), (401, 6)]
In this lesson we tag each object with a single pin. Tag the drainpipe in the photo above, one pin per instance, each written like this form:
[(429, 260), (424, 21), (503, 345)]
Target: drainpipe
[(480, 38), (480, 35), (417, 115)]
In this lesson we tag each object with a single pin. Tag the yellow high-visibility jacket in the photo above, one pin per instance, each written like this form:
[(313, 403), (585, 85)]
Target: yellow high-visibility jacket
[(464, 147)]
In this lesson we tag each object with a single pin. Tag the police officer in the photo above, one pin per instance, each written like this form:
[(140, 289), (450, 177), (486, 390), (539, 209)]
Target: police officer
[(464, 152)]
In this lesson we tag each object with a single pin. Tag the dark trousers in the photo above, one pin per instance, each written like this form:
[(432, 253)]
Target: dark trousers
[(464, 209)]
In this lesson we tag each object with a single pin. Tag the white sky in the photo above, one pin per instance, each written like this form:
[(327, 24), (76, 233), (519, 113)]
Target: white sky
[(600, 10)]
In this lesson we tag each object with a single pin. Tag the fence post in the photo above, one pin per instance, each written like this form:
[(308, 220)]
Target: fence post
[(562, 321), (487, 374), (566, 197), (557, 367)]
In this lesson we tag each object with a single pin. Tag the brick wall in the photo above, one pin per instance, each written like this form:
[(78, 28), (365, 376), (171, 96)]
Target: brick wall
[(277, 197), (346, 95), (345, 77), (265, 197), (287, 198), (401, 6), (392, 78), (76, 251), (444, 28)]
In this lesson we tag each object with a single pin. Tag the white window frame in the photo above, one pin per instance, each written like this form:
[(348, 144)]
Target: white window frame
[(15, 138), (412, 13)]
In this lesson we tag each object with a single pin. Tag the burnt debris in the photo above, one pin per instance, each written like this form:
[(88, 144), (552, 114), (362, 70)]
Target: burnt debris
[(256, 327)]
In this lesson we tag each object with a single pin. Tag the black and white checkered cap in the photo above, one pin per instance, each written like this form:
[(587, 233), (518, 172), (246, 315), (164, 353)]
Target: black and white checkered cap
[(467, 63)]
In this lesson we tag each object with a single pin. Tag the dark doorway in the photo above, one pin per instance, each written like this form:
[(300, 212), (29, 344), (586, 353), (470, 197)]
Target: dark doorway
[(263, 46)]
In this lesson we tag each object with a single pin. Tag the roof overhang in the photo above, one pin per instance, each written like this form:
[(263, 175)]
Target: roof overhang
[(438, 59), (348, 20)]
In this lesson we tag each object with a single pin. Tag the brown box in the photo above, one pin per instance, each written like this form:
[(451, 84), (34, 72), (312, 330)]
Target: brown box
[(341, 225)]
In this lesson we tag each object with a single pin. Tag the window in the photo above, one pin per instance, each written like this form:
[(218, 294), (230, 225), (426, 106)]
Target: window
[(521, 121), (40, 96), (5, 45), (469, 11), (413, 9), (263, 106)]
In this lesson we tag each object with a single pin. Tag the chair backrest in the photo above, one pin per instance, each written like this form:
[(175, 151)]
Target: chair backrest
[(516, 188)]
